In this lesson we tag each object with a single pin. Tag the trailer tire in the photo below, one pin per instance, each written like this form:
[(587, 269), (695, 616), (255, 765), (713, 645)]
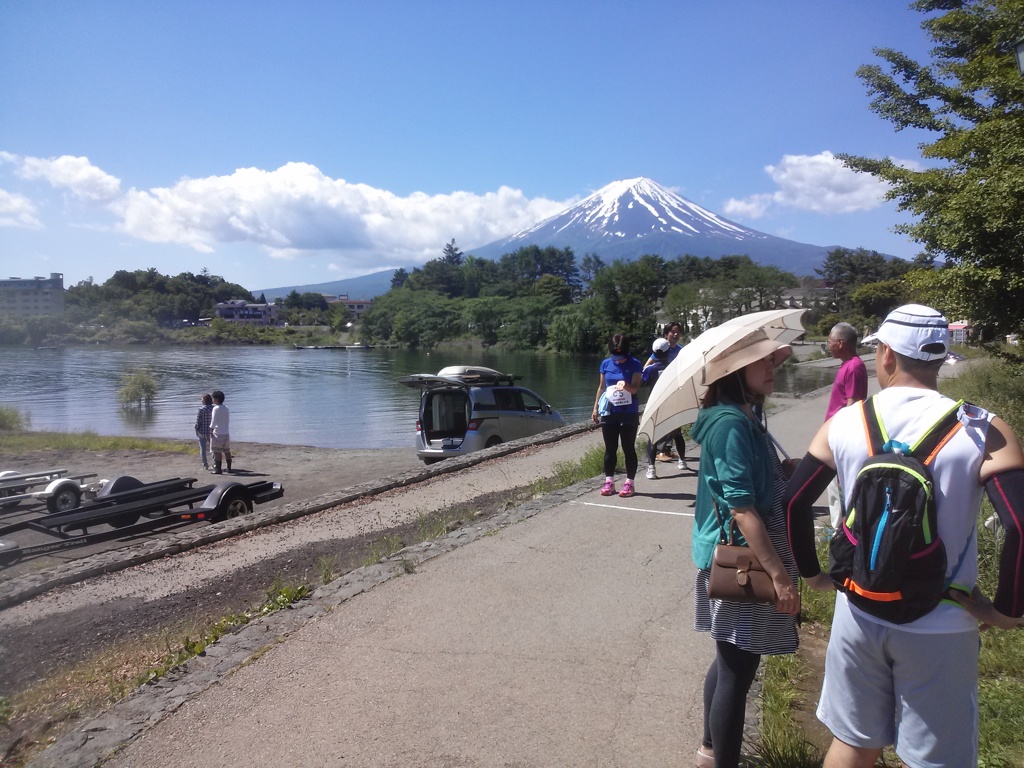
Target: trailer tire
[(234, 503), (10, 552), (122, 483), (65, 496)]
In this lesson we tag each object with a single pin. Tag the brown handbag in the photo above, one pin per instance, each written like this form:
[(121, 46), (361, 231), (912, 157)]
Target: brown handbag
[(736, 573)]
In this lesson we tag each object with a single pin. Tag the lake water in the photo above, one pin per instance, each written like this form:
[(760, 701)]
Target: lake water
[(329, 398)]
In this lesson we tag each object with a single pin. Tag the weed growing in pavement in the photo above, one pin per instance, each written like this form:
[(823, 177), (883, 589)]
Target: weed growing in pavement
[(383, 548), (433, 526), (408, 565), (6, 710), (325, 565)]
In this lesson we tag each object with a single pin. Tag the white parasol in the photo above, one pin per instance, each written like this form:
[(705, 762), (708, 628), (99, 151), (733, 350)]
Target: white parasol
[(676, 396)]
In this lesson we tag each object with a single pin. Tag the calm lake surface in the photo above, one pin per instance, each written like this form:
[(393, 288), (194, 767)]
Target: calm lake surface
[(328, 398)]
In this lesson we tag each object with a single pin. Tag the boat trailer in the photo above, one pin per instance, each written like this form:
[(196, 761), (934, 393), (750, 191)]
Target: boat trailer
[(62, 492), (126, 506)]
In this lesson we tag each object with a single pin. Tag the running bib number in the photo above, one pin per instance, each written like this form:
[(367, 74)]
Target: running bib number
[(618, 397)]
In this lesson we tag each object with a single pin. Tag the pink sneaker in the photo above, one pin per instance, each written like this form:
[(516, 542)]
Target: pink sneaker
[(608, 489), (627, 489)]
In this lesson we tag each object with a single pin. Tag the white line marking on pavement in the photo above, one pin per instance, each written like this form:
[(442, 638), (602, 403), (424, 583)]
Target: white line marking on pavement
[(633, 509)]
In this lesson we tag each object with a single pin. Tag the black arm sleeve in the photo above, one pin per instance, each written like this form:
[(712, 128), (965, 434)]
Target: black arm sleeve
[(1006, 492), (808, 482)]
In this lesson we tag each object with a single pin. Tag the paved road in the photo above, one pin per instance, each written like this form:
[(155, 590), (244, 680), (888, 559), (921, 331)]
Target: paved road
[(561, 640)]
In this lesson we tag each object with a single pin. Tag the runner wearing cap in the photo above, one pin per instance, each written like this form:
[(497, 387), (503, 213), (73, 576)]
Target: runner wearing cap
[(915, 685)]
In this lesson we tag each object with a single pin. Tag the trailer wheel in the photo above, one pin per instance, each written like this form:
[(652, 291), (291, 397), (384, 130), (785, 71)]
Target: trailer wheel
[(122, 483), (234, 503), (64, 497), (10, 552)]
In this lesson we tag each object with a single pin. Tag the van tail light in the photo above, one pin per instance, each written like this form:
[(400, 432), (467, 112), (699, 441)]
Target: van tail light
[(473, 425), (419, 426)]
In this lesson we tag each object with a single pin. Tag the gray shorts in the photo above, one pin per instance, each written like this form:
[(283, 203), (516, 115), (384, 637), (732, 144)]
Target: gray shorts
[(918, 692), (220, 443)]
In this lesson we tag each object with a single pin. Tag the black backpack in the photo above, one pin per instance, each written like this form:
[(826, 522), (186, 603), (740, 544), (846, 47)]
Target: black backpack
[(886, 554)]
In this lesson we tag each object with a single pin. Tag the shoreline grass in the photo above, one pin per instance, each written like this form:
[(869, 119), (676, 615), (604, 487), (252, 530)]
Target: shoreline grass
[(19, 441)]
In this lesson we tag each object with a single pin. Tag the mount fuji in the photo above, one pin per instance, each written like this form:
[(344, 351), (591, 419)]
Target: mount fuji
[(634, 217)]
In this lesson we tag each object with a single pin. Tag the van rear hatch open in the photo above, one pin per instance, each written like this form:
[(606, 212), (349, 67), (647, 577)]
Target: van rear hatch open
[(444, 414)]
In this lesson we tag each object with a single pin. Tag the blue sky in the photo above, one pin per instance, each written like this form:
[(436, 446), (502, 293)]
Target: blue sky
[(295, 143)]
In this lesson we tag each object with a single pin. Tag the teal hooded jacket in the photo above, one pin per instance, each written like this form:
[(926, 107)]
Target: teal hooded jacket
[(735, 471)]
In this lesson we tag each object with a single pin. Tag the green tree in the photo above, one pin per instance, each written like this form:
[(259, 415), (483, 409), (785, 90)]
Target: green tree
[(399, 277), (578, 329), (969, 205), (452, 255), (876, 300), (845, 269)]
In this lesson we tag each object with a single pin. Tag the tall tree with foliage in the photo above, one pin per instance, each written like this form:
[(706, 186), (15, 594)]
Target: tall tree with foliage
[(845, 269), (968, 207)]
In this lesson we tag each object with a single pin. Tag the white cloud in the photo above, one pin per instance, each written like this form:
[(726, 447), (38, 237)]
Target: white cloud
[(76, 174), (297, 210), (17, 211), (819, 183)]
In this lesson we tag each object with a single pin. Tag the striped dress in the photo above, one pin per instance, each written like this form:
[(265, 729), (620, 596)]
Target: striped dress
[(753, 627)]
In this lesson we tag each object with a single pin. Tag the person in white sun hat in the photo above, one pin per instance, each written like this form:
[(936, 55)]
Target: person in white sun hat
[(914, 685), (741, 479)]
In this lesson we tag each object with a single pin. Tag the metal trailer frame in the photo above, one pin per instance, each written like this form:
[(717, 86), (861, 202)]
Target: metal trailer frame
[(62, 492), (131, 507)]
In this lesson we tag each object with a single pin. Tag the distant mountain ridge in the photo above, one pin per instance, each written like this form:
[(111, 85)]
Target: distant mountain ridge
[(633, 217), (363, 287), (625, 220)]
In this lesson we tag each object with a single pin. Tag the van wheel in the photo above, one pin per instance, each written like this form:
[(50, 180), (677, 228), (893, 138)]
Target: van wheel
[(493, 442)]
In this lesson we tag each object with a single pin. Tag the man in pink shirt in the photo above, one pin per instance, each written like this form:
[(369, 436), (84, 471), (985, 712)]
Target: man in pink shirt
[(851, 385)]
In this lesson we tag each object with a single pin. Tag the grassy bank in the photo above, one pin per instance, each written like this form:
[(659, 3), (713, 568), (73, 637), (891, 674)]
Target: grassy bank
[(21, 442)]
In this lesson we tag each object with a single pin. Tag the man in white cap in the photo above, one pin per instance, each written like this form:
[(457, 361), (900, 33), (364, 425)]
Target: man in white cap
[(914, 685)]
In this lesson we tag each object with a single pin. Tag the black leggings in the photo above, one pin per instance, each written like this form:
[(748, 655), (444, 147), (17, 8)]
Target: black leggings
[(614, 430), (662, 446), (725, 701)]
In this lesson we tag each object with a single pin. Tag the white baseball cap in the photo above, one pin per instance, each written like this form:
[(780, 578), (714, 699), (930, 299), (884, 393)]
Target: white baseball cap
[(914, 330), (661, 345)]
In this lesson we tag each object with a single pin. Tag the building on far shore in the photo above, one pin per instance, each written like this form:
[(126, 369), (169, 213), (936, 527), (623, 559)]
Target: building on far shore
[(247, 313), (356, 306), (25, 297)]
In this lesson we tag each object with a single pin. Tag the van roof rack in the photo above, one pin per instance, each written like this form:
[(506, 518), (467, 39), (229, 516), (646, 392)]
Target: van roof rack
[(476, 374)]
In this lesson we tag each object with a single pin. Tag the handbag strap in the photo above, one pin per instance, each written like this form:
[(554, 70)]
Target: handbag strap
[(722, 537)]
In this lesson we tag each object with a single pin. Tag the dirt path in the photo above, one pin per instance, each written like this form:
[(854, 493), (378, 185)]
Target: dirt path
[(73, 627)]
